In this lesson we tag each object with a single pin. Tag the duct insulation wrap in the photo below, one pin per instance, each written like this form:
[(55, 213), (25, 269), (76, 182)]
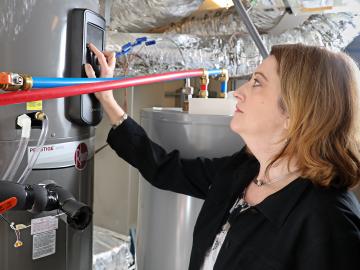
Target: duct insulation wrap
[(140, 16), (111, 250), (263, 14), (237, 52)]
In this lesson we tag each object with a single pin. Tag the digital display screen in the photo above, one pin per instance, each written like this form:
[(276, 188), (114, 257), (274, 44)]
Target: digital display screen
[(95, 35)]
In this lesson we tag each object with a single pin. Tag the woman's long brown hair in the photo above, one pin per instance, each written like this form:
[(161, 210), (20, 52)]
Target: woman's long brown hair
[(320, 93)]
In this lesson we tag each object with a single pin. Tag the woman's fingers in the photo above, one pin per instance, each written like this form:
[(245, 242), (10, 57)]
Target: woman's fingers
[(110, 57), (100, 56), (106, 60), (89, 71)]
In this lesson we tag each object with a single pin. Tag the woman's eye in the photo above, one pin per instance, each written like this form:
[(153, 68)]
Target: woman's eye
[(256, 83)]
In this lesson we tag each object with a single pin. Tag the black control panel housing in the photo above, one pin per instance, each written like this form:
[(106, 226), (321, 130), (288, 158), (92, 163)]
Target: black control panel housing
[(86, 27)]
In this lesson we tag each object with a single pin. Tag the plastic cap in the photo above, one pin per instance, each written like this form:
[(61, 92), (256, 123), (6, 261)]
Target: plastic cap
[(24, 122), (150, 42)]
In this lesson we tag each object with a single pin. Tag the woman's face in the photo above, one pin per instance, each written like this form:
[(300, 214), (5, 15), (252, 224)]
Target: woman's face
[(257, 111)]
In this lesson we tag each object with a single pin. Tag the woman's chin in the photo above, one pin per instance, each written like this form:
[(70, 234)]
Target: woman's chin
[(235, 127)]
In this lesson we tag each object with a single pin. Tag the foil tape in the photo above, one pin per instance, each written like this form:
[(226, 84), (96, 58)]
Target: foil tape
[(140, 16), (111, 251), (236, 52)]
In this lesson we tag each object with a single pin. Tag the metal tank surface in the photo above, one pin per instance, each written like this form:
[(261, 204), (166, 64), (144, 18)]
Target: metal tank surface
[(33, 40), (166, 219)]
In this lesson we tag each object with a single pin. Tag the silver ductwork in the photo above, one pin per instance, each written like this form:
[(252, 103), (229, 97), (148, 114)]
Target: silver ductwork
[(236, 52), (227, 21), (141, 16)]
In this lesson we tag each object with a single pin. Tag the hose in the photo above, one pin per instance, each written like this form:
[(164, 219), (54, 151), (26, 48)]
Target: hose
[(37, 150), (24, 122)]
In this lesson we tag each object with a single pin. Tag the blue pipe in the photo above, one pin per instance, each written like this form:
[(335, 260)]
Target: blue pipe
[(46, 82), (214, 72), (223, 87)]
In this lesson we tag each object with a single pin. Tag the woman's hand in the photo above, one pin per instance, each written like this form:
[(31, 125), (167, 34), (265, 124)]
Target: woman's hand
[(107, 66)]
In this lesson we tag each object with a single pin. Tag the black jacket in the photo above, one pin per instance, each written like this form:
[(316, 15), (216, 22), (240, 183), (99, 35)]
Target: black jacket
[(301, 226)]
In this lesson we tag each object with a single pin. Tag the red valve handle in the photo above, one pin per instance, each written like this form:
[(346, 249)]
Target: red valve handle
[(8, 204)]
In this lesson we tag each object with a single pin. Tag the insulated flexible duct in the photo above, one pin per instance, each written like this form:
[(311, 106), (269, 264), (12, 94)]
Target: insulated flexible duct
[(140, 16), (237, 52), (264, 14)]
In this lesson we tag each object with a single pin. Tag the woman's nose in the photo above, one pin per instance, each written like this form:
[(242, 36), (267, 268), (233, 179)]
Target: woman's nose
[(238, 94)]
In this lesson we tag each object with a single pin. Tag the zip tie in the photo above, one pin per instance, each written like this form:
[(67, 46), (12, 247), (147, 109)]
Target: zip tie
[(24, 121)]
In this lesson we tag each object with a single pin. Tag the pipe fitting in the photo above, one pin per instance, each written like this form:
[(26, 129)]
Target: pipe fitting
[(27, 82), (204, 79), (40, 116), (13, 81), (204, 82), (188, 92), (224, 75), (223, 78)]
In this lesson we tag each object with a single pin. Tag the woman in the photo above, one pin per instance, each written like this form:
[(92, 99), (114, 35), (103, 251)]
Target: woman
[(282, 202)]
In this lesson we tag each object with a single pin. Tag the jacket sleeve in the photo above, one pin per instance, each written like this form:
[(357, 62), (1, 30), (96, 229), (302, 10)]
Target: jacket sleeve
[(335, 238), (164, 170)]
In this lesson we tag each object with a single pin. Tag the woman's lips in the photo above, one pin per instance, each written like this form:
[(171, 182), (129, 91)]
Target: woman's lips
[(238, 110)]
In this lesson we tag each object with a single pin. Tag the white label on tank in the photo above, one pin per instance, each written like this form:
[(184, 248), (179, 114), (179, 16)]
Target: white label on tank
[(60, 155), (44, 224), (44, 244)]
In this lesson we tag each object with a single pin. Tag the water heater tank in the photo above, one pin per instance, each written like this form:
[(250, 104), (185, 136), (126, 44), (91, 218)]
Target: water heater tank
[(34, 40), (165, 219)]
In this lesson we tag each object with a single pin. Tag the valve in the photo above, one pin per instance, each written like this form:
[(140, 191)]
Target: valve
[(223, 78), (10, 81), (187, 91), (204, 82)]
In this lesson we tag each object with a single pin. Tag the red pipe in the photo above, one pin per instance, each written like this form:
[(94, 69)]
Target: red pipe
[(74, 90)]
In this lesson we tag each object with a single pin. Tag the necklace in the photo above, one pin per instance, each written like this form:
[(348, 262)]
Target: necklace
[(260, 182)]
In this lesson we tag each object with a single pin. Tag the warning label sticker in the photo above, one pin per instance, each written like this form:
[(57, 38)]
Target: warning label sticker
[(44, 224), (34, 106), (44, 244)]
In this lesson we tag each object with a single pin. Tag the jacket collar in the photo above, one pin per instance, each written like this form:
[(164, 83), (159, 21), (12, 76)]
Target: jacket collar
[(278, 206)]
